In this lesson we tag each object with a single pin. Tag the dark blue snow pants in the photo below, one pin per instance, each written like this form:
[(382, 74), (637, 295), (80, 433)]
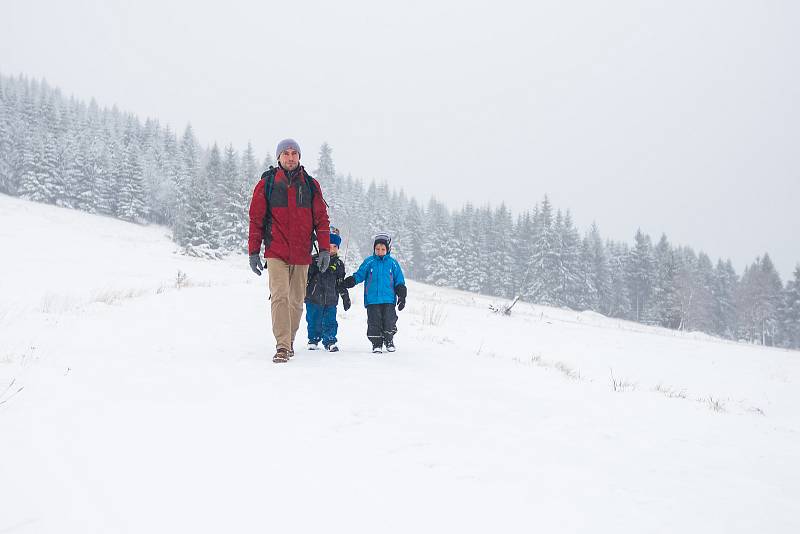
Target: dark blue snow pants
[(322, 325)]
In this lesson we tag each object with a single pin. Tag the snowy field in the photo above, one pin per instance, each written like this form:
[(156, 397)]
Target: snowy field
[(137, 399)]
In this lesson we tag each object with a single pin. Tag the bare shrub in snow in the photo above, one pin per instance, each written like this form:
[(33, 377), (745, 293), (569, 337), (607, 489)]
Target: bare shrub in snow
[(670, 392), (621, 384), (568, 371), (714, 404), (112, 296), (563, 368), (433, 314), (181, 279)]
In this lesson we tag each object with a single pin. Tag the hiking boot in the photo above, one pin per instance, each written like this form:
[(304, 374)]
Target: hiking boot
[(376, 349), (332, 348), (390, 346), (281, 356), (313, 345)]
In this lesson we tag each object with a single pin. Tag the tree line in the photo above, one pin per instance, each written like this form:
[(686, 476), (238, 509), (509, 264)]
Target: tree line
[(63, 151)]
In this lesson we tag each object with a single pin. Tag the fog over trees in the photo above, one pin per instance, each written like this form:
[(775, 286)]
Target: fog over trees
[(62, 151)]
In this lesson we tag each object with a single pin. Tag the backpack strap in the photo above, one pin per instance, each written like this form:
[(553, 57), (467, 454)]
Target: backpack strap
[(269, 181), (269, 177)]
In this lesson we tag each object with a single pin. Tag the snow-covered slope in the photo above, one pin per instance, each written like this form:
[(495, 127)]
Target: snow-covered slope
[(135, 399)]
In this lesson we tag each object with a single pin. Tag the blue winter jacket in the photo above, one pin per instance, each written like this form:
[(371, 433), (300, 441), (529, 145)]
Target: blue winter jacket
[(380, 274)]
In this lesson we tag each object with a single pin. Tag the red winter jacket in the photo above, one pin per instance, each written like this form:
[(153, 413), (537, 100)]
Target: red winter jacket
[(292, 221)]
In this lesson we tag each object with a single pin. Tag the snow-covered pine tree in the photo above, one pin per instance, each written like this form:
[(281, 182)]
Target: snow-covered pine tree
[(325, 172), (411, 237), (724, 291), (619, 298), (170, 169), (107, 184), (664, 309), (641, 271), (233, 217), (600, 277), (543, 281), (32, 184), (790, 313), (437, 236), (703, 314), (190, 203), (587, 295), (521, 244), (131, 204), (463, 258), (268, 162), (7, 152), (568, 262), (215, 180), (758, 300), (500, 270), (250, 167), (156, 181)]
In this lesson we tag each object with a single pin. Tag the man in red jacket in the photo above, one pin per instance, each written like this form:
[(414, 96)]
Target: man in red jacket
[(286, 209)]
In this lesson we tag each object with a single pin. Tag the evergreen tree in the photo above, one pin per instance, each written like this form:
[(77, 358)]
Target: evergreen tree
[(192, 206), (249, 166), (501, 264), (411, 238), (543, 279), (269, 161), (326, 171), (664, 309), (757, 302), (568, 264), (233, 216), (703, 313), (724, 291), (33, 185), (641, 273), (619, 299), (131, 204), (790, 313), (435, 247), (521, 244), (600, 272), (170, 170), (6, 144)]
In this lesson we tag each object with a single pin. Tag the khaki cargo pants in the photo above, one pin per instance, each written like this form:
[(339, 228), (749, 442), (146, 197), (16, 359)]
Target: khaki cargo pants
[(287, 287)]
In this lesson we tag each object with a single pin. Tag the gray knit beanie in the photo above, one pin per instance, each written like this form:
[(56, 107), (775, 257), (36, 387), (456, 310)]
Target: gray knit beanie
[(285, 145)]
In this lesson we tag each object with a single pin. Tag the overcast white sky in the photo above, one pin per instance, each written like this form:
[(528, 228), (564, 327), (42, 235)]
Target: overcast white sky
[(674, 116)]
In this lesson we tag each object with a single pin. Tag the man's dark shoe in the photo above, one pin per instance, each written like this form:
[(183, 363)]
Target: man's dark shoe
[(281, 356)]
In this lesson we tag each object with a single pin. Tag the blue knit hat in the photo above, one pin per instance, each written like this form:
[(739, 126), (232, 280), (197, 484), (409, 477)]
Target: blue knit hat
[(336, 240), (285, 145)]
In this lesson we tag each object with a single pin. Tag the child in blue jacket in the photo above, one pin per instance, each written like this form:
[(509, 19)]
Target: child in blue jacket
[(384, 287)]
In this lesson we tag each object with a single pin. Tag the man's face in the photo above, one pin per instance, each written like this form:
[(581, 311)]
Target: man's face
[(380, 249), (289, 159)]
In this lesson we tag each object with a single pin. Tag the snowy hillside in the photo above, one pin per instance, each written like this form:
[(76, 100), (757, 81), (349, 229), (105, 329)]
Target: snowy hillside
[(137, 395)]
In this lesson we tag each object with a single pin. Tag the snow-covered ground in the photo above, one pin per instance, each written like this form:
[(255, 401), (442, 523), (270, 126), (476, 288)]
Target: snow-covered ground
[(135, 399)]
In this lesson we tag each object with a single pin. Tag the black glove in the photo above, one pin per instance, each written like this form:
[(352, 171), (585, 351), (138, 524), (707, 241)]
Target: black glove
[(346, 301), (401, 293), (323, 260), (255, 263), (349, 282)]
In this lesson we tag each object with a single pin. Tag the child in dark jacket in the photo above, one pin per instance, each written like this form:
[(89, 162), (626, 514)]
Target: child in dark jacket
[(384, 287), (322, 297)]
